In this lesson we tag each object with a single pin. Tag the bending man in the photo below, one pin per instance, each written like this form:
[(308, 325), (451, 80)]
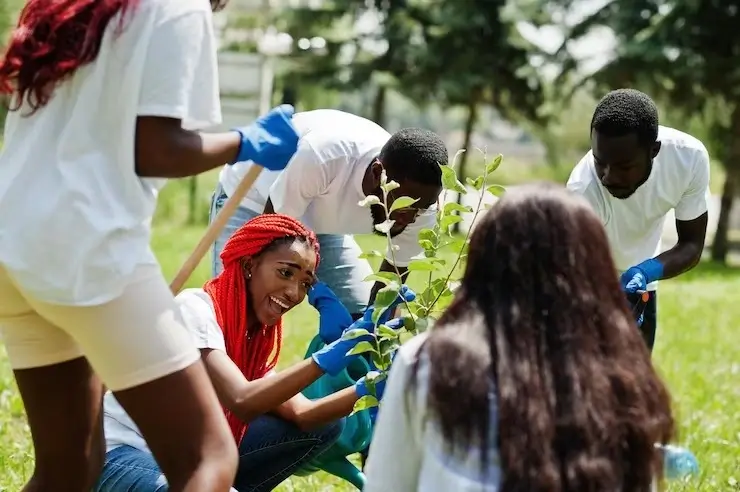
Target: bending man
[(634, 174), (338, 163)]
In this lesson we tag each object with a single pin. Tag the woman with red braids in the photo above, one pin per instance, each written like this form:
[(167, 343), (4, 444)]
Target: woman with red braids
[(105, 98), (269, 266)]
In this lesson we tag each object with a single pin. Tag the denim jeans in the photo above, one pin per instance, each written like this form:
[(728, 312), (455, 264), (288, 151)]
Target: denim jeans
[(271, 451), (340, 268)]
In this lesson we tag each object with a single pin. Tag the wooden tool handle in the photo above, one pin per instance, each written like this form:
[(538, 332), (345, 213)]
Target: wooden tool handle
[(215, 228)]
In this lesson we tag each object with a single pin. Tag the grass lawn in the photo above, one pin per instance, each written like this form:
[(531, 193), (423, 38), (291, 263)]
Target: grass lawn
[(697, 352)]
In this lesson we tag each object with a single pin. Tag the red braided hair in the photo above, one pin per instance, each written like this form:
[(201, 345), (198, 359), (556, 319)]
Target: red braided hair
[(53, 39), (257, 355)]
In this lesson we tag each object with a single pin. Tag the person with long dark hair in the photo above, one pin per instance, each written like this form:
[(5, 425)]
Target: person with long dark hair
[(536, 378), (105, 98)]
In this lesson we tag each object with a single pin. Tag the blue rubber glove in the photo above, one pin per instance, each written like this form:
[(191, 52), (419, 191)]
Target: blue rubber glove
[(270, 141), (333, 357), (333, 316), (639, 276), (362, 390), (405, 294)]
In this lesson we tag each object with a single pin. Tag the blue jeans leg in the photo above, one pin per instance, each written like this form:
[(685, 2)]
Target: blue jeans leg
[(273, 449), (343, 271), (128, 469)]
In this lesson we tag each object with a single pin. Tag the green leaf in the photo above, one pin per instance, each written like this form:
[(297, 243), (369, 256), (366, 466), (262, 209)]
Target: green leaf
[(456, 244), (426, 244), (385, 226), (494, 164), (409, 323), (402, 202), (417, 309), (355, 333), (380, 362), (384, 278), (361, 348), (367, 401), (496, 190), (428, 235), (390, 186), (371, 254), (422, 324), (451, 207), (369, 200), (423, 265), (450, 181), (476, 183), (384, 298), (385, 332), (449, 220)]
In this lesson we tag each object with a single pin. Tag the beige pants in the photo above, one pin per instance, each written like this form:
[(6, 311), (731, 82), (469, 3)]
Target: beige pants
[(131, 340)]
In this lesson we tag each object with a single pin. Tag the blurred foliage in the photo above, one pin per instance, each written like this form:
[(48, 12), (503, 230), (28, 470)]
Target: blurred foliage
[(684, 53)]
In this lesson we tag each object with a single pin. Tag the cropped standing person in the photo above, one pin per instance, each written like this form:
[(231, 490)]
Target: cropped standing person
[(636, 173), (106, 97)]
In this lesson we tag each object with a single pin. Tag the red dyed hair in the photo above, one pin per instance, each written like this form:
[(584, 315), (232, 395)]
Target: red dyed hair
[(257, 355), (53, 39)]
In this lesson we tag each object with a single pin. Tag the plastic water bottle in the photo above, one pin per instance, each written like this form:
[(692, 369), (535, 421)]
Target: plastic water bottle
[(679, 463)]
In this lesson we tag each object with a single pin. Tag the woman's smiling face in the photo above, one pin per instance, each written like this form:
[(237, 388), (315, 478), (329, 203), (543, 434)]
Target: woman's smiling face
[(280, 278)]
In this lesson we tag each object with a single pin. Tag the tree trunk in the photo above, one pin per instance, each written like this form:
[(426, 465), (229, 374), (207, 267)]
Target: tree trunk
[(378, 115), (721, 243), (469, 128)]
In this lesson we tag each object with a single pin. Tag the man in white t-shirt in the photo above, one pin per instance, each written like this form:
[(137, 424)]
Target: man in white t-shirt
[(338, 163), (634, 174)]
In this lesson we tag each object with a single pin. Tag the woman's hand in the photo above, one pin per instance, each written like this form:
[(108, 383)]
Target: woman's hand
[(404, 295), (362, 389), (333, 316), (333, 357)]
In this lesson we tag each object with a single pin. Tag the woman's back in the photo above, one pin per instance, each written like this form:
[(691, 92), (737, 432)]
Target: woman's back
[(538, 352), (69, 167)]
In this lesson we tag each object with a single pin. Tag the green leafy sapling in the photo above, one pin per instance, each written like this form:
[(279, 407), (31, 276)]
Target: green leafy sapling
[(443, 253)]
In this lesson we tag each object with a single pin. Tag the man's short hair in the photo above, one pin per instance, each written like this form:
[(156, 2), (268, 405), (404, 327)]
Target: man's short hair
[(415, 154), (626, 111)]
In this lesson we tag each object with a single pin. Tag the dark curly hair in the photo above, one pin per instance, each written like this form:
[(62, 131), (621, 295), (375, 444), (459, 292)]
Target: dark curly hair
[(624, 112), (415, 154), (541, 329)]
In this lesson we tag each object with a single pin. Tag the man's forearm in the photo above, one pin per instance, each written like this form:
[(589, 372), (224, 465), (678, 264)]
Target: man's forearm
[(680, 258)]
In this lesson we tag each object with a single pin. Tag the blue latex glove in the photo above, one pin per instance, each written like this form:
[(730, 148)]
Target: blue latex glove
[(362, 390), (333, 316), (333, 357), (404, 294), (638, 277), (270, 141)]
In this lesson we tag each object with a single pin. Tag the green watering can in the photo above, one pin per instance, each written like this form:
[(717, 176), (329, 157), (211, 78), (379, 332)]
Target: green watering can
[(357, 431)]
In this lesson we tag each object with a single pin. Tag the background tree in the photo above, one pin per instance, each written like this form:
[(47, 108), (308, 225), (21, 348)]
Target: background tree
[(685, 54)]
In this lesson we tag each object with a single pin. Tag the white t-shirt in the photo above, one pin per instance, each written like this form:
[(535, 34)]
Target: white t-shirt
[(76, 217), (408, 451), (679, 180), (198, 315), (322, 184)]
